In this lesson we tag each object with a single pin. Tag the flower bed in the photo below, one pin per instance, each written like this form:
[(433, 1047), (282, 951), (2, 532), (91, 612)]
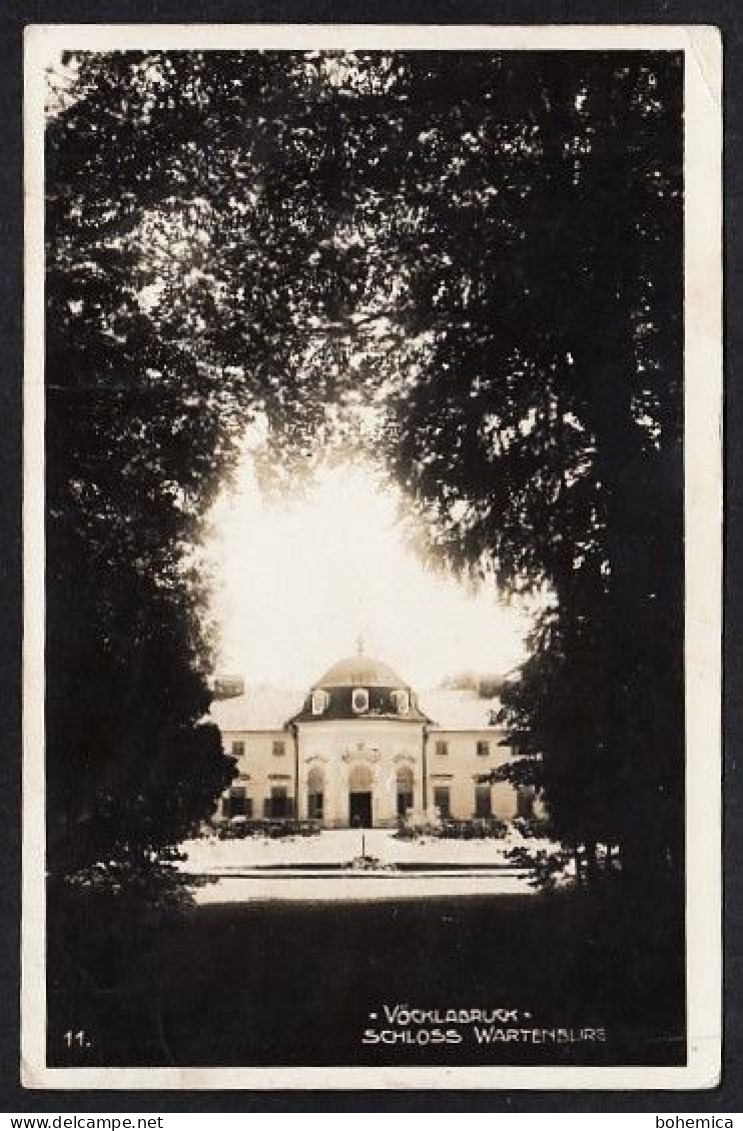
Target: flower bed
[(238, 828)]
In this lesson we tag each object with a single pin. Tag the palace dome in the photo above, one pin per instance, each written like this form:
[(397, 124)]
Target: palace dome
[(360, 671), (360, 687)]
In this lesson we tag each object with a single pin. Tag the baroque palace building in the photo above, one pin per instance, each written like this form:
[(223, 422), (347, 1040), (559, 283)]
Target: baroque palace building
[(362, 748)]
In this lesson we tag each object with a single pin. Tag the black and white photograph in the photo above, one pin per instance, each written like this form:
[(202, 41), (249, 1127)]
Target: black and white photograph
[(373, 395)]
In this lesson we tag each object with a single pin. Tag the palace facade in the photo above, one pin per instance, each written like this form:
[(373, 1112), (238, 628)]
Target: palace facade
[(362, 748)]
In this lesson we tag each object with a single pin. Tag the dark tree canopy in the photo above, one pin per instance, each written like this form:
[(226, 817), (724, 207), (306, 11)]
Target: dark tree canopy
[(466, 266)]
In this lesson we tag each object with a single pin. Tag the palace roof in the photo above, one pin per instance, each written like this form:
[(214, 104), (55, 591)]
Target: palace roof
[(360, 671), (269, 709)]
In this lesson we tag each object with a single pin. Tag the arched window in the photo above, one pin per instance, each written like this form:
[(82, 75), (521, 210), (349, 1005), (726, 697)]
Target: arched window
[(360, 700), (405, 792), (315, 793)]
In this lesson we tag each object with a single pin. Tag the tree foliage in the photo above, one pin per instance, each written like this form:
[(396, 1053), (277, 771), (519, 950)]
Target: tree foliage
[(541, 436)]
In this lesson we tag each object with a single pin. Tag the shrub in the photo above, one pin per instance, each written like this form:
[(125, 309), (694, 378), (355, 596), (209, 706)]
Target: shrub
[(475, 828), (533, 827), (549, 869)]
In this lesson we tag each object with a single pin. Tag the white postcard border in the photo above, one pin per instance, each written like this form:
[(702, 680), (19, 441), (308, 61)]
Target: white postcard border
[(703, 520)]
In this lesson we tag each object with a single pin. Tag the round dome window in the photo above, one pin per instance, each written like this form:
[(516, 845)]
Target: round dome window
[(360, 700)]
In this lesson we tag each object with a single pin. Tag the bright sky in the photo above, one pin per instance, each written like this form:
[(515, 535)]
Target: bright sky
[(297, 581)]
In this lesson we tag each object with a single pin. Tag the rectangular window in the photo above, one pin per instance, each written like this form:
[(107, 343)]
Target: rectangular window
[(483, 801), (279, 748), (442, 799), (442, 746), (483, 748), (236, 804), (238, 749), (279, 804)]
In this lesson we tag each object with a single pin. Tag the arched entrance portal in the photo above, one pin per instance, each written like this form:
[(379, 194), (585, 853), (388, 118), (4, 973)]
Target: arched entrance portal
[(405, 797), (360, 808), (316, 794)]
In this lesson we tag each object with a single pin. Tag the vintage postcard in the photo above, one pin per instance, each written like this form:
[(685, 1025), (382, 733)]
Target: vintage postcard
[(373, 402)]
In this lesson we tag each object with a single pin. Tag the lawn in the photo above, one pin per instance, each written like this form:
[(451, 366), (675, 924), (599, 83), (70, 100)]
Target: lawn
[(297, 983)]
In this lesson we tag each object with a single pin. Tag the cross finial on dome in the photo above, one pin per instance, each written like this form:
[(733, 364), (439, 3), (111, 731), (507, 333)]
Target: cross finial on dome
[(360, 645)]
